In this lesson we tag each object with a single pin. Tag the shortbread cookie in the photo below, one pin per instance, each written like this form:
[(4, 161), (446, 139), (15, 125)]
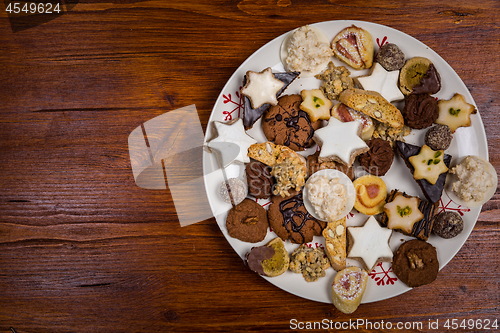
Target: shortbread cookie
[(346, 114), (419, 76), (371, 192), (420, 229), (286, 124), (247, 222), (335, 243), (315, 104), (455, 112), (288, 168), (289, 219), (309, 262), (374, 105), (335, 80), (354, 46), (340, 142), (369, 244), (348, 288), (415, 263)]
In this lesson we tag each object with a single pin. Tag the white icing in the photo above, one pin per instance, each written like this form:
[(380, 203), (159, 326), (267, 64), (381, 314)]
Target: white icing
[(383, 82), (234, 133), (262, 88), (339, 139), (371, 242), (406, 222)]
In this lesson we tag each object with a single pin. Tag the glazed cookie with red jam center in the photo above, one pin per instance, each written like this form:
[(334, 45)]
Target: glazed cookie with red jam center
[(286, 124), (371, 192)]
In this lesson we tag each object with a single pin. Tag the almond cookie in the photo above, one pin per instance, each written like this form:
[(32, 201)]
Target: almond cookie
[(309, 262), (335, 243), (286, 124), (289, 219), (374, 105), (335, 80), (247, 222), (415, 263)]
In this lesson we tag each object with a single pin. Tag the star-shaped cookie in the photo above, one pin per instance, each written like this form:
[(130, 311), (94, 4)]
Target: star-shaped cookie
[(340, 141), (383, 82), (262, 87), (234, 132), (428, 164), (370, 243)]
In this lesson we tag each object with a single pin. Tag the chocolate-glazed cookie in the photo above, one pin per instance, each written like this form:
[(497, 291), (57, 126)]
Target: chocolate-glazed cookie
[(289, 219), (286, 124), (415, 263), (259, 179)]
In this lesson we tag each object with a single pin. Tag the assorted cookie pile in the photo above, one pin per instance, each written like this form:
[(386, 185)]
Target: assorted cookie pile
[(354, 124)]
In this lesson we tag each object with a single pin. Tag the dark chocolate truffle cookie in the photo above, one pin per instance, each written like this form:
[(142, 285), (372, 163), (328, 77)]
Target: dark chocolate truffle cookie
[(289, 219), (420, 110), (448, 225), (415, 263), (247, 222), (286, 124), (390, 57), (439, 137), (378, 160), (259, 179)]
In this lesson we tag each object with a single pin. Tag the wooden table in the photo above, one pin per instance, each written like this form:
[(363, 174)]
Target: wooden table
[(83, 249)]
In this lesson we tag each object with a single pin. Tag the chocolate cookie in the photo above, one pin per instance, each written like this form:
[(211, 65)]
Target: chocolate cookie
[(259, 179), (415, 263), (289, 219), (448, 225), (420, 110), (439, 137), (378, 159), (247, 222), (286, 124)]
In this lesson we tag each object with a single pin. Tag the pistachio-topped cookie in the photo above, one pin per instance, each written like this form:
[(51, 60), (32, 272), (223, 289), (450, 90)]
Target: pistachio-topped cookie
[(315, 104), (455, 112), (428, 164)]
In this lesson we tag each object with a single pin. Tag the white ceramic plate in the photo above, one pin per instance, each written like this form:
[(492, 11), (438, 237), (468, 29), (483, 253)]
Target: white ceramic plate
[(471, 140)]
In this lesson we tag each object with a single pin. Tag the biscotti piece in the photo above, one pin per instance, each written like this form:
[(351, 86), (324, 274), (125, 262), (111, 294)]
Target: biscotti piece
[(288, 168), (374, 105), (335, 243)]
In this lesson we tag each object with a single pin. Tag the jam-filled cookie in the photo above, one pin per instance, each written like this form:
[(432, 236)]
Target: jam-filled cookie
[(371, 192), (348, 288)]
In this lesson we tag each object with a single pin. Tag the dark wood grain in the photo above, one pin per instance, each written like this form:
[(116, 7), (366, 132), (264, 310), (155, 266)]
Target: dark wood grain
[(83, 249)]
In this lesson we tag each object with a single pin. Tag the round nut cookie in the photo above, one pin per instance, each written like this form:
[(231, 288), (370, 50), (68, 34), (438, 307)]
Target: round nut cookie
[(448, 224), (286, 124), (247, 222), (289, 219), (415, 263)]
